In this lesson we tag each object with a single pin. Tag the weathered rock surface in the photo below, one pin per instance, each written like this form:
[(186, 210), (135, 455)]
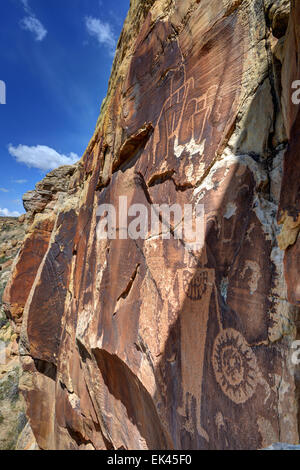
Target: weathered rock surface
[(49, 189), (278, 12), (12, 409), (30, 249), (289, 208), (41, 205), (147, 344)]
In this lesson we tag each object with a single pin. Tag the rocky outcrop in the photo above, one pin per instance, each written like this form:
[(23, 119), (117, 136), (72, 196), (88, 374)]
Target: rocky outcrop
[(148, 343), (48, 191), (12, 409)]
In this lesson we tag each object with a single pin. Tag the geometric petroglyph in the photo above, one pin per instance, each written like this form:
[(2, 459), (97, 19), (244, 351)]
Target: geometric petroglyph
[(235, 366), (195, 284)]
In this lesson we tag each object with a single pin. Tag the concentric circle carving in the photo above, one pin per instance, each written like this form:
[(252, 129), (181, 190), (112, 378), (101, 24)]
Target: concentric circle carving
[(235, 366)]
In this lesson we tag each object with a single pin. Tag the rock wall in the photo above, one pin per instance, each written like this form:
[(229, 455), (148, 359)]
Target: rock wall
[(147, 344), (20, 257)]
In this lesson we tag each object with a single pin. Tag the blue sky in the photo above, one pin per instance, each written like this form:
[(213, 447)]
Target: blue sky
[(55, 60)]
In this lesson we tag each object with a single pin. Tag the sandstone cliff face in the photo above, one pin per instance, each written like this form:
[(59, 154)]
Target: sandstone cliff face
[(145, 344), (41, 205), (15, 431)]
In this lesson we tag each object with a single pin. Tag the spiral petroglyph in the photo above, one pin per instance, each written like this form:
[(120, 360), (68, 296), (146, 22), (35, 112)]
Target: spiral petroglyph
[(235, 366)]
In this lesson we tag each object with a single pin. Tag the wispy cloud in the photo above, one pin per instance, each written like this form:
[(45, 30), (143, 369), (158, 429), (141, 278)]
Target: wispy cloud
[(20, 181), (17, 201), (26, 6), (102, 32), (7, 213), (32, 23), (4, 190), (41, 157)]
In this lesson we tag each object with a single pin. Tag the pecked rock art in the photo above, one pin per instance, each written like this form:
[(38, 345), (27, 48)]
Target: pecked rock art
[(233, 360), (235, 366), (144, 343)]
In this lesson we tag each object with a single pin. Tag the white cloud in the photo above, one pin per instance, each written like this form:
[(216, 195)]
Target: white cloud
[(4, 190), (7, 213), (32, 24), (41, 157), (102, 32), (26, 5)]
